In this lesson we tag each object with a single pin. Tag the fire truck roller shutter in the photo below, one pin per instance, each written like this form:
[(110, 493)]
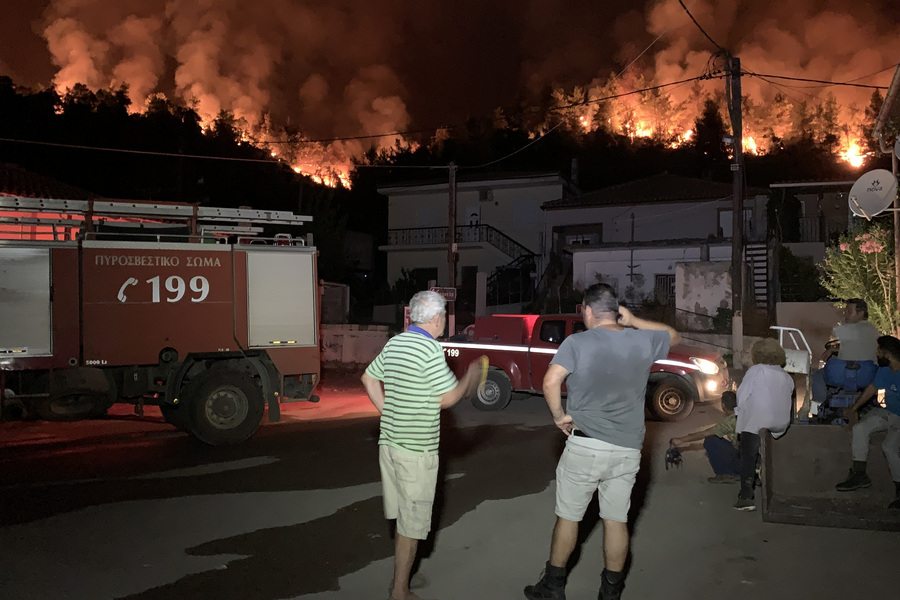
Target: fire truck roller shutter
[(281, 297), (224, 406), (25, 300)]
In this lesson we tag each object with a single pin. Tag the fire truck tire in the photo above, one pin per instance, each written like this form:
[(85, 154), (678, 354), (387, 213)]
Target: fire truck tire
[(175, 415), (671, 400), (71, 407), (223, 407), (496, 392)]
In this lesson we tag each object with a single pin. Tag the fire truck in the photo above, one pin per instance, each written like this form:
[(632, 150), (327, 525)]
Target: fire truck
[(185, 307)]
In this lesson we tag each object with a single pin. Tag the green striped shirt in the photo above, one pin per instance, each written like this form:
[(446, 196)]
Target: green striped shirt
[(415, 375)]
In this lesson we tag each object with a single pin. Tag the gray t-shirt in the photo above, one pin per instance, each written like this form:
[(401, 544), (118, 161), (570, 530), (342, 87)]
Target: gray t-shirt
[(607, 384)]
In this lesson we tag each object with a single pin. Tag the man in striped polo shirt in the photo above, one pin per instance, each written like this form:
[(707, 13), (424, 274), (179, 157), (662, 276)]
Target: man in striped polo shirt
[(409, 383)]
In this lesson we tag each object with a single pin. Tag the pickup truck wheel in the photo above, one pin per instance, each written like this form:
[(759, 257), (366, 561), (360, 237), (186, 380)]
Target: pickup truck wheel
[(671, 400), (496, 392), (223, 407)]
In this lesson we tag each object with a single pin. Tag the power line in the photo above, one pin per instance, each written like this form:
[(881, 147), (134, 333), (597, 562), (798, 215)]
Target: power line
[(822, 81), (703, 31)]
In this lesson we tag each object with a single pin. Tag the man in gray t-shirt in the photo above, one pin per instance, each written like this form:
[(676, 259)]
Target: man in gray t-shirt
[(605, 369)]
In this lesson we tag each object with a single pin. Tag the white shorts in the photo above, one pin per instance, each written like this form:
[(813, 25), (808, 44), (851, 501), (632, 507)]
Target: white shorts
[(408, 481), (587, 465)]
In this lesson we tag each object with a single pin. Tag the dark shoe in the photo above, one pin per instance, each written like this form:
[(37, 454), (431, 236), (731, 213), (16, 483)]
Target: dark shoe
[(856, 481), (724, 479), (552, 585), (745, 504), (609, 590), (895, 504)]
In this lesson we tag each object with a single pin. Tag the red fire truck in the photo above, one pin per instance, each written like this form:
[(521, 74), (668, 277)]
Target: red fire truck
[(185, 307), (520, 348)]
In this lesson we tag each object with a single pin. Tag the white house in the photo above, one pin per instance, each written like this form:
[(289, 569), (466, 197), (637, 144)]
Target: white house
[(634, 235), (498, 221)]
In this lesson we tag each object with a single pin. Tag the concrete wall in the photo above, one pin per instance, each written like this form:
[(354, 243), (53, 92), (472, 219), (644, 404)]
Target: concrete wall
[(720, 343), (801, 469), (701, 288), (614, 265), (353, 343)]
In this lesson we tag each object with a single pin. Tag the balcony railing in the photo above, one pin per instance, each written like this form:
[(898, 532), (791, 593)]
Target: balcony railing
[(437, 236), (818, 229)]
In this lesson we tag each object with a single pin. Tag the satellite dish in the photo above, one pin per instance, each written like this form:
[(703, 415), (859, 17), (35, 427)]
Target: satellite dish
[(872, 193)]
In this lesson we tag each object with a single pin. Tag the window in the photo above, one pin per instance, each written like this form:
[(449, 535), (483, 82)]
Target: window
[(725, 221), (665, 289), (553, 331), (578, 326)]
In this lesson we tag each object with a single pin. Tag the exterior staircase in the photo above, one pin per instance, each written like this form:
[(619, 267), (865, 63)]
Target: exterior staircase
[(756, 256)]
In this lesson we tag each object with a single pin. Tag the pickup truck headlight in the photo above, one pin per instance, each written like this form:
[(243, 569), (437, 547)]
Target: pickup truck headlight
[(705, 366)]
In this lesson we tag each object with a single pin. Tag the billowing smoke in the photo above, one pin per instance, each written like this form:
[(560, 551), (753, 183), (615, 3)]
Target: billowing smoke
[(344, 68), (315, 66)]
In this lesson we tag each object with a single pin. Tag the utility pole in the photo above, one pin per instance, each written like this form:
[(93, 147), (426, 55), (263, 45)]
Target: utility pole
[(451, 251), (733, 93), (881, 120)]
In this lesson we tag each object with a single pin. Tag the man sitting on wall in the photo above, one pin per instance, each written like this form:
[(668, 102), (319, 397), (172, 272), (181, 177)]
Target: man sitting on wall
[(878, 419), (857, 338)]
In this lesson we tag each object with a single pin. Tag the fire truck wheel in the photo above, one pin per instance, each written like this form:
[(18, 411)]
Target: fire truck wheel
[(71, 407), (223, 407), (496, 392), (175, 415), (671, 400)]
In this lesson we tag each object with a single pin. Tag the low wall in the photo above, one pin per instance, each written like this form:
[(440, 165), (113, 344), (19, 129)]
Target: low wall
[(801, 469), (721, 343), (353, 343)]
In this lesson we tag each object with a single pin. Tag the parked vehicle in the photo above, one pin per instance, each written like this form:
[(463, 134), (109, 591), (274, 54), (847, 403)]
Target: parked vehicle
[(210, 331), (520, 348)]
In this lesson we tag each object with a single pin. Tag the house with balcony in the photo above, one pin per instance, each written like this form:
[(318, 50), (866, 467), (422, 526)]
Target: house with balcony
[(499, 232), (641, 236), (809, 215)]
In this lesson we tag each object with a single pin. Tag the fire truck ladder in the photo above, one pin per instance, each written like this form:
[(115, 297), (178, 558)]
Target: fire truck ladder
[(72, 214)]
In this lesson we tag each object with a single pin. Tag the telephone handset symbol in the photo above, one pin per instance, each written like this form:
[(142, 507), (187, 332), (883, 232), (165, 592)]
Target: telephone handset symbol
[(130, 281)]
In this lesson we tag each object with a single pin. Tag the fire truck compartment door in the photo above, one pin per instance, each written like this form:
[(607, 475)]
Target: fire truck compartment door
[(25, 301), (281, 298)]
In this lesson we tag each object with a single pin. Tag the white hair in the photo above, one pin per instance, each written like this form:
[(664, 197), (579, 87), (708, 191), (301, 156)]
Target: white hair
[(424, 306)]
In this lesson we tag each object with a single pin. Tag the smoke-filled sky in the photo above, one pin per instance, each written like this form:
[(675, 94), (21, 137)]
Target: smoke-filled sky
[(350, 67)]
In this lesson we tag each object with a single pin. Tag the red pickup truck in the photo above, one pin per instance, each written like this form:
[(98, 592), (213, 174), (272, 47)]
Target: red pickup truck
[(520, 348)]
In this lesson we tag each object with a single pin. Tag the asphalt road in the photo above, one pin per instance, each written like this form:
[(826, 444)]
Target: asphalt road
[(128, 508)]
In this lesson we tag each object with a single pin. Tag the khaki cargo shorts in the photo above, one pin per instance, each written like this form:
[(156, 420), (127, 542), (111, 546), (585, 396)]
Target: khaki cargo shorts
[(587, 465), (408, 481)]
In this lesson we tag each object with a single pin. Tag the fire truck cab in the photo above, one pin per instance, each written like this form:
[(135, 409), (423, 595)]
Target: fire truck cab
[(174, 307)]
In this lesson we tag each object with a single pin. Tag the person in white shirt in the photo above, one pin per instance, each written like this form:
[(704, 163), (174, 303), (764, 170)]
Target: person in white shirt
[(858, 343), (763, 402)]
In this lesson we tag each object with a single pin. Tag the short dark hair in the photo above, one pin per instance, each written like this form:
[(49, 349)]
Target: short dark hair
[(891, 345), (601, 297), (729, 400), (861, 306)]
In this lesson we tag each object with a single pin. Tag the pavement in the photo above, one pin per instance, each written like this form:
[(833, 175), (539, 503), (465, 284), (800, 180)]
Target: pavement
[(129, 508)]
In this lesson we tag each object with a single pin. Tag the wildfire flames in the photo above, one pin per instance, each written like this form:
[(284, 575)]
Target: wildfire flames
[(318, 69)]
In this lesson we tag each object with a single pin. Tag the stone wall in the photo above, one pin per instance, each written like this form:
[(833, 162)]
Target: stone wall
[(353, 343)]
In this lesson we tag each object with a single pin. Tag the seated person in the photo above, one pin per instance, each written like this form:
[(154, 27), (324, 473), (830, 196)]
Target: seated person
[(878, 419), (720, 442), (857, 338), (763, 402)]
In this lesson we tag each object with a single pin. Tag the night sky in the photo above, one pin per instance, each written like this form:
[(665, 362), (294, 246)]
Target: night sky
[(348, 67)]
